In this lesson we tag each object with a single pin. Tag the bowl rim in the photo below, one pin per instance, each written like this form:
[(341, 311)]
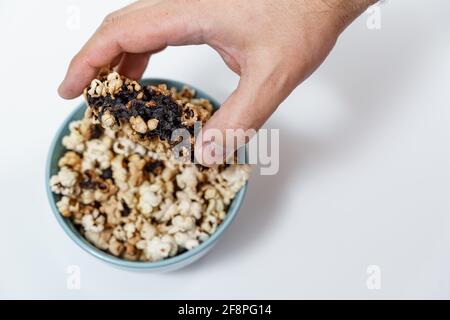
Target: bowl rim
[(84, 244)]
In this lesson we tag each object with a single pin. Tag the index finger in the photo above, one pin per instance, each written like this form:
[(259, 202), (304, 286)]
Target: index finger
[(145, 30)]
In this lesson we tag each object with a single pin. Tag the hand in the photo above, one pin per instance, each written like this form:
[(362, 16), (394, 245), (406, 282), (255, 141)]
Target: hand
[(273, 45)]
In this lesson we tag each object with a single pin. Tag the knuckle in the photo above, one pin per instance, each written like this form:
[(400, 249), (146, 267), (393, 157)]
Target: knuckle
[(76, 60), (111, 20), (80, 60)]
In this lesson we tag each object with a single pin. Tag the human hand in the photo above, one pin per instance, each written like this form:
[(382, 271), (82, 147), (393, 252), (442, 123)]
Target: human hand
[(273, 45)]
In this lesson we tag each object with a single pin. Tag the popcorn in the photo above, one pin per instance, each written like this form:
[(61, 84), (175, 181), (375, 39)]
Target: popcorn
[(136, 166), (121, 186), (173, 245), (72, 160), (127, 147), (167, 210), (183, 223), (129, 229), (108, 121), (99, 239), (191, 244), (115, 246), (138, 124), (152, 124), (67, 206), (119, 233), (146, 115), (149, 199), (148, 231), (236, 176), (209, 224), (97, 154), (120, 173), (114, 82), (92, 225), (188, 178), (186, 240), (64, 182)]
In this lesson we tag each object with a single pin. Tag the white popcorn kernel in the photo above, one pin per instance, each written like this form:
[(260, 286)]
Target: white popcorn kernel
[(115, 246), (148, 231), (173, 245), (97, 152), (211, 193), (75, 140), (236, 176), (120, 173), (99, 239), (67, 206), (96, 88), (155, 249), (202, 236), (181, 238), (185, 240), (148, 198), (187, 178), (67, 177), (191, 244), (183, 223), (120, 233), (87, 196), (123, 146), (90, 225), (166, 212), (129, 229), (209, 224), (65, 182), (190, 208), (140, 150)]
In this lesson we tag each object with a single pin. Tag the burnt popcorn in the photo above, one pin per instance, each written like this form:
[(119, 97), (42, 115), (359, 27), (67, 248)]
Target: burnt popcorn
[(145, 113), (121, 183), (155, 166), (96, 132), (107, 174)]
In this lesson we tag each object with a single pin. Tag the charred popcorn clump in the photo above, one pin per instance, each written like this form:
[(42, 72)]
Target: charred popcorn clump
[(147, 114), (124, 196)]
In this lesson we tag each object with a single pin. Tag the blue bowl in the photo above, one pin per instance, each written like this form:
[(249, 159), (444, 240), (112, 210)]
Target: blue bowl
[(57, 150)]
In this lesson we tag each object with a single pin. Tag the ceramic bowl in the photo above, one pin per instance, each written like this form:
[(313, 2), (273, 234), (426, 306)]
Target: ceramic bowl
[(176, 262)]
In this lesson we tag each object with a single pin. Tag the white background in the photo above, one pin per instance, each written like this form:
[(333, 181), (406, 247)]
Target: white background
[(364, 178)]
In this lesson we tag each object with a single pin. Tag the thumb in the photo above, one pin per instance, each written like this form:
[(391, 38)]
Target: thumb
[(237, 120)]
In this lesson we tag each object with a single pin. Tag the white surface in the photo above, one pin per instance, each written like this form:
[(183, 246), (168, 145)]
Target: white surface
[(364, 177)]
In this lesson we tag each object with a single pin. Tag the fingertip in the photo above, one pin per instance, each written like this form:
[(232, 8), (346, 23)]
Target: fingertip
[(66, 93), (62, 92)]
